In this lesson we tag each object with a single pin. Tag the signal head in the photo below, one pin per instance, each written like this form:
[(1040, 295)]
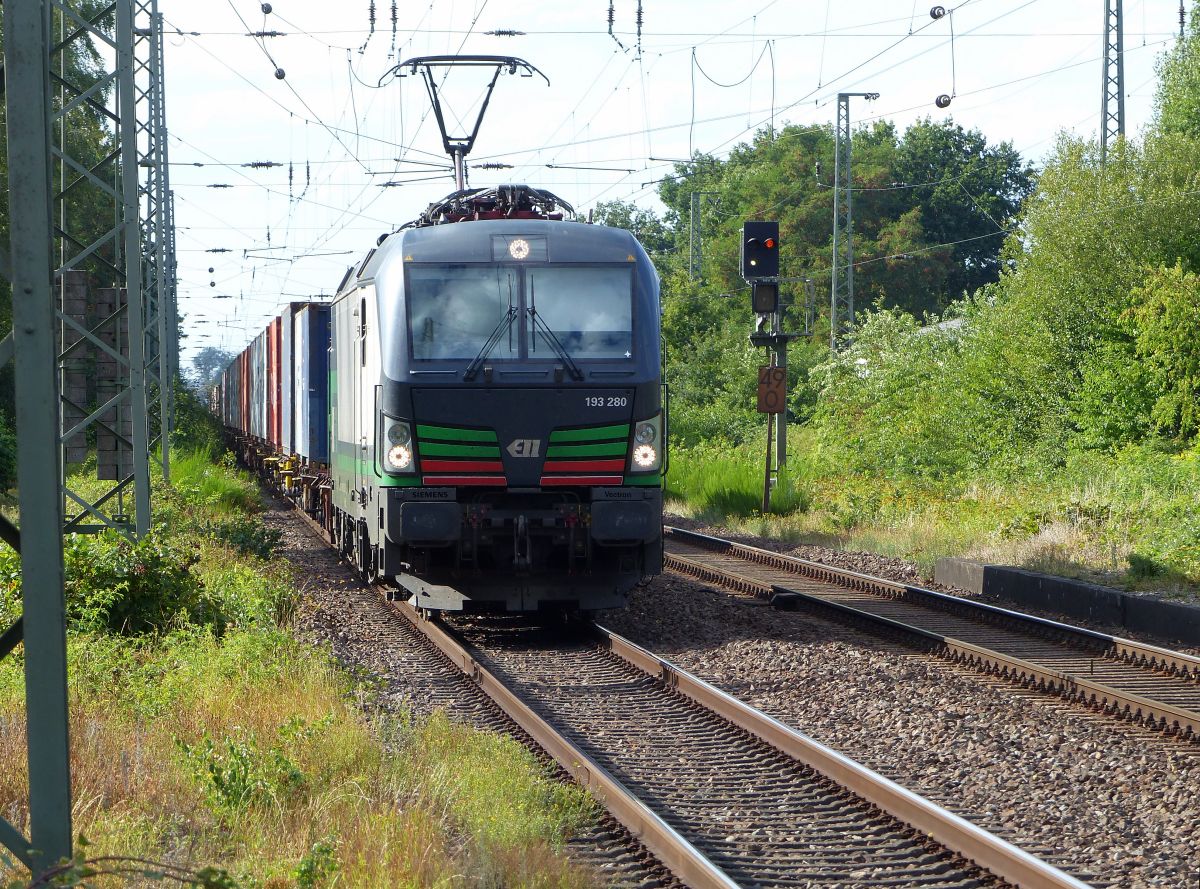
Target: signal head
[(760, 250)]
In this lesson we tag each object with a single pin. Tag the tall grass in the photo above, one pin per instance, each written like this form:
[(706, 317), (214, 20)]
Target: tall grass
[(1129, 517), (209, 479), (250, 753), (723, 481), (211, 737)]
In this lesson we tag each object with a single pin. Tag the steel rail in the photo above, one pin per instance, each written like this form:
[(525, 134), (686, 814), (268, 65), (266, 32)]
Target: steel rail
[(1078, 688), (955, 833), (1140, 653), (664, 842), (689, 864), (681, 857)]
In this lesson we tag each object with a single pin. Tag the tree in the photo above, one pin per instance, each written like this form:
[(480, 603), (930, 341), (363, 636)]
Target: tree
[(1167, 315), (931, 208), (899, 231), (654, 235), (1177, 103), (968, 195), (208, 364)]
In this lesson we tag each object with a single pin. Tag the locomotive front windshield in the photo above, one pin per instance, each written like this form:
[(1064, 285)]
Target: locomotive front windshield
[(453, 310), (587, 311)]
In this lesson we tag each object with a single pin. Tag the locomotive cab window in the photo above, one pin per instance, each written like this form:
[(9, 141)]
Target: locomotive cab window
[(454, 309), (531, 312), (588, 309)]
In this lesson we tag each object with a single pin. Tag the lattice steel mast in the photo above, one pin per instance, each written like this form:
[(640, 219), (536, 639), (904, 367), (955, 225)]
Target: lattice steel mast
[(42, 625), (841, 305), (85, 357), (157, 229), (1112, 98)]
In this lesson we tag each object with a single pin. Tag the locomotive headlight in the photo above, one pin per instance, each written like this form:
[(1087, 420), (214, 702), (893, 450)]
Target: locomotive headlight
[(399, 457), (646, 455), (399, 434), (397, 446)]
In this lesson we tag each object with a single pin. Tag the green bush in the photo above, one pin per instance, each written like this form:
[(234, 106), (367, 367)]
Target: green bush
[(114, 585), (119, 586), (10, 585), (8, 453), (250, 593), (246, 534), (237, 773), (196, 427), (318, 865)]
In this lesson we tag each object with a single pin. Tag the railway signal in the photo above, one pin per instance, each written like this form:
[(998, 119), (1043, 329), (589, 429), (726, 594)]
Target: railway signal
[(760, 250)]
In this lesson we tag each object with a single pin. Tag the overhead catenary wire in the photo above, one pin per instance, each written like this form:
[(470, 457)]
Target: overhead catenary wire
[(884, 114), (313, 120), (278, 71), (645, 133)]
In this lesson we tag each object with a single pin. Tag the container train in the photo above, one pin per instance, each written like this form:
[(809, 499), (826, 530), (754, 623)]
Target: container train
[(478, 414)]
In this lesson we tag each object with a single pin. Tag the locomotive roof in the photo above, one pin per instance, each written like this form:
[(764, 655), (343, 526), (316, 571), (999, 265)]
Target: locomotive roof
[(475, 242)]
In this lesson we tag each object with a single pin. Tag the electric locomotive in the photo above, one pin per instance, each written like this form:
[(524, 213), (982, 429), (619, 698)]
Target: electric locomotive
[(497, 425)]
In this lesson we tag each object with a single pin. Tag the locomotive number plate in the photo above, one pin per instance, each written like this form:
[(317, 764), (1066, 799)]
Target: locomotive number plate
[(606, 401)]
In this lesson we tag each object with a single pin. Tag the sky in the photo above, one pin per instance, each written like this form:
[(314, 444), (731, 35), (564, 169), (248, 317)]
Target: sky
[(354, 151)]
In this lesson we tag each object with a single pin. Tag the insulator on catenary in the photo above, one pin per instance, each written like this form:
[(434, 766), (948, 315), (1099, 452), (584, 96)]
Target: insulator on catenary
[(942, 101), (280, 74), (937, 12)]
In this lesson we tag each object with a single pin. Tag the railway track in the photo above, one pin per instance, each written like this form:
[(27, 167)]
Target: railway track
[(1135, 681), (720, 793)]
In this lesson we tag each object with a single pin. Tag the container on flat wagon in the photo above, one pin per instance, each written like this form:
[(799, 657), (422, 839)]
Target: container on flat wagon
[(273, 360), (243, 383), (258, 387), (311, 349), (287, 378)]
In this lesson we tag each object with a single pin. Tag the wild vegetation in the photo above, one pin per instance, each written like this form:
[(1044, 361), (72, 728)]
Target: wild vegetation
[(206, 737), (1025, 383)]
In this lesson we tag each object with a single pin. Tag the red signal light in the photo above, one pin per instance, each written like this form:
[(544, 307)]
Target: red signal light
[(770, 243)]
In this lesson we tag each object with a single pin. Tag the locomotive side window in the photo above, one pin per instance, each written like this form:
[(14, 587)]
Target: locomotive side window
[(588, 308), (453, 309)]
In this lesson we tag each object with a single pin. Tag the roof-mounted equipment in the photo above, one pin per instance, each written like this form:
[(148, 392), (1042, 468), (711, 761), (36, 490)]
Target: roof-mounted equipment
[(458, 147)]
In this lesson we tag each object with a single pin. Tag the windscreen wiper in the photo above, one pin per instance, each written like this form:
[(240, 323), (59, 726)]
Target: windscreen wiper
[(502, 328), (554, 341), (555, 344)]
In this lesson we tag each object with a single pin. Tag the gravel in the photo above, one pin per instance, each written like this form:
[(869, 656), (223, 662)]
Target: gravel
[(370, 640), (901, 571), (1113, 804)]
